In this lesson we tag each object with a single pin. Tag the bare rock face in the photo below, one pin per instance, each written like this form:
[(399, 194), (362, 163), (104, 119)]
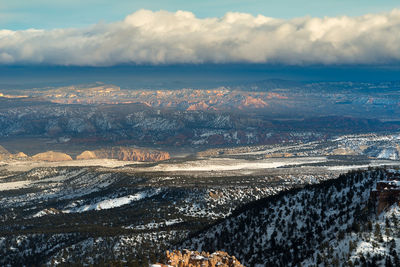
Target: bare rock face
[(52, 156), (126, 154), (194, 258)]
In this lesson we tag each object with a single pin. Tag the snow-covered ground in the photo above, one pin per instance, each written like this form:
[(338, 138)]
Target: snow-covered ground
[(378, 243), (13, 185), (114, 202), (279, 148), (155, 225), (26, 165), (226, 164), (376, 163), (377, 239)]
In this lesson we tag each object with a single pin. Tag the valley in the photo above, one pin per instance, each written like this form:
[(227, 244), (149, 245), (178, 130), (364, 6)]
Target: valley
[(100, 209), (199, 133), (99, 175)]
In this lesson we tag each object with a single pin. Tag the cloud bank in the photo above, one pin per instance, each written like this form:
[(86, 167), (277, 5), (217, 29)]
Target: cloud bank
[(147, 37)]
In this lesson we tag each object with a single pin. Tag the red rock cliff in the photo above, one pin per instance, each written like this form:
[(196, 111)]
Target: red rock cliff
[(125, 153)]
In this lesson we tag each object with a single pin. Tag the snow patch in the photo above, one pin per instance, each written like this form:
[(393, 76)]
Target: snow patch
[(114, 202), (225, 164)]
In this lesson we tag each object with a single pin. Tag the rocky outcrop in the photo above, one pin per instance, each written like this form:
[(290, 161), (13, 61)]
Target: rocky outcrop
[(88, 155), (198, 106), (215, 195), (19, 155), (253, 103), (3, 151), (126, 154), (5, 155), (52, 156), (387, 192), (194, 258)]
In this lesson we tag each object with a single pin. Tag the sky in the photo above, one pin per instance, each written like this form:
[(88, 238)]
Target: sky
[(284, 35), (49, 14)]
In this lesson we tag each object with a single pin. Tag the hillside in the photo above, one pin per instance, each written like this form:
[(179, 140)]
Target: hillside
[(91, 215), (94, 214), (287, 229), (375, 242), (107, 115)]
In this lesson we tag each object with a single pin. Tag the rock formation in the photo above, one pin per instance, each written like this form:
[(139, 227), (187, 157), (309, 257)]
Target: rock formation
[(198, 106), (3, 151), (4, 154), (19, 155), (52, 156), (253, 103), (88, 155), (126, 154), (194, 258), (387, 192)]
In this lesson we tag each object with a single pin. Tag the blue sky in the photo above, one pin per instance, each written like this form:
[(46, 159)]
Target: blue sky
[(49, 14)]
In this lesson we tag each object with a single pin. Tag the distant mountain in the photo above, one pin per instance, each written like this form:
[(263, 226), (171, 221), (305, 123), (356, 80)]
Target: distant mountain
[(268, 85), (143, 125)]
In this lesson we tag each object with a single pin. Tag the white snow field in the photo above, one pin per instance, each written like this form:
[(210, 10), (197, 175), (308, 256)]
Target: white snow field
[(114, 202), (228, 164)]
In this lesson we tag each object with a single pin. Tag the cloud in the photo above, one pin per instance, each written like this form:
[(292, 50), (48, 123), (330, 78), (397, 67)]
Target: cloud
[(162, 37)]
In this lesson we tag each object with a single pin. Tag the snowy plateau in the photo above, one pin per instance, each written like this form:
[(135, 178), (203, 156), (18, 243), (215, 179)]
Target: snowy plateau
[(294, 203)]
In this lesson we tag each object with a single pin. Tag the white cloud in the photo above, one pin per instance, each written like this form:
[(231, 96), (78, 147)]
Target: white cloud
[(147, 37)]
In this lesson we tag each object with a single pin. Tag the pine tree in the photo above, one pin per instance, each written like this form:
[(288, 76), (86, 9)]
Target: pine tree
[(388, 262), (377, 233)]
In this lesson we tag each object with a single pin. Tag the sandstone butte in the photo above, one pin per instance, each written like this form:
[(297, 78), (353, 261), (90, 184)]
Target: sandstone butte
[(5, 155), (52, 156), (19, 155), (196, 259), (126, 154)]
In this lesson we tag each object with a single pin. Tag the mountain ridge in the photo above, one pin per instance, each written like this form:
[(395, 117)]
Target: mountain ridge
[(269, 229)]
